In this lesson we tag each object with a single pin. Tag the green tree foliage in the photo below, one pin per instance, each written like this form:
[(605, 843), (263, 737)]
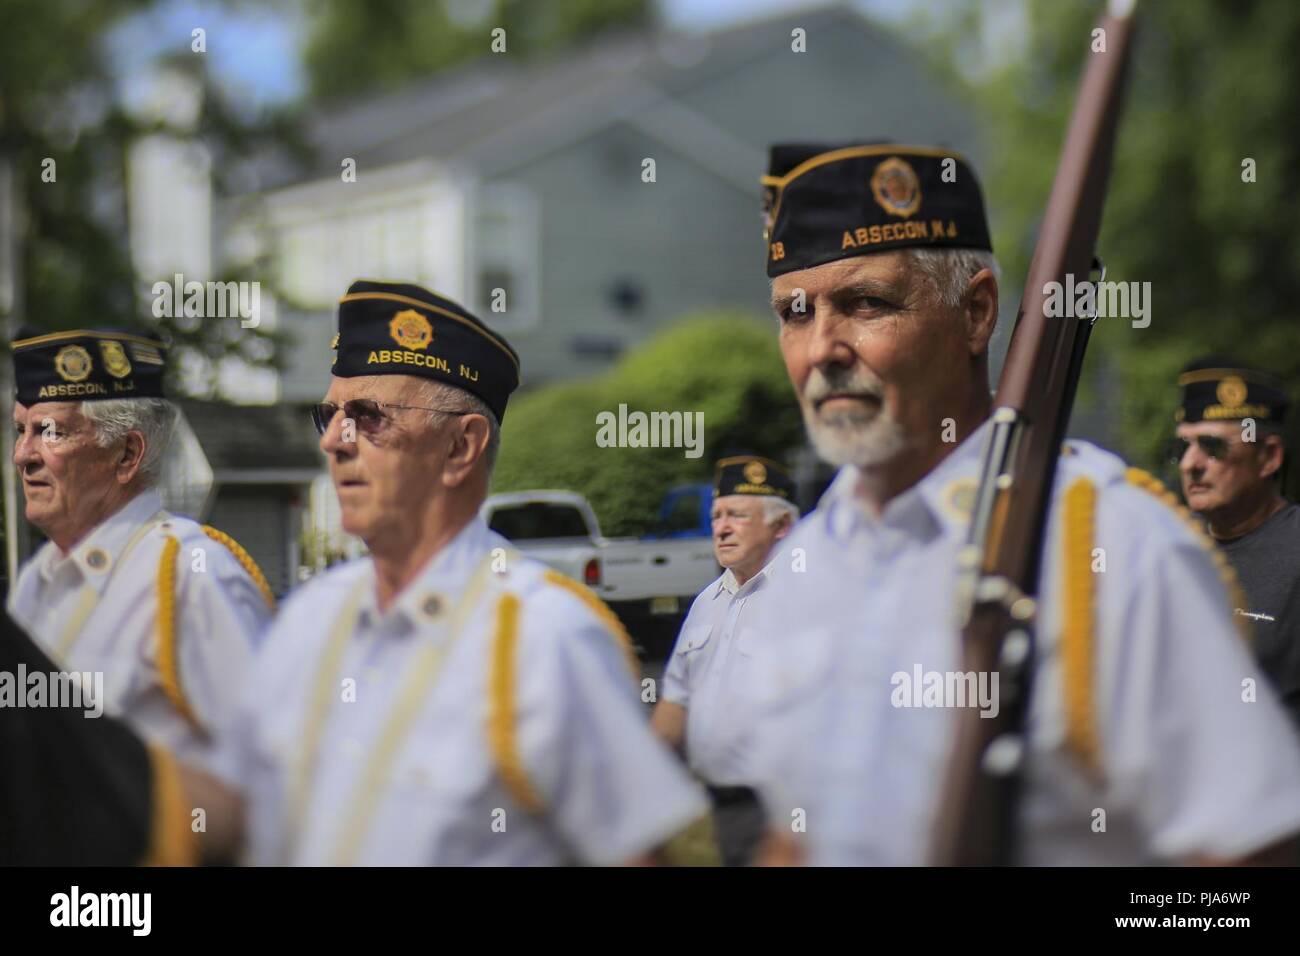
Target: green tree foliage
[(728, 367), (355, 48), (1214, 82), (58, 100)]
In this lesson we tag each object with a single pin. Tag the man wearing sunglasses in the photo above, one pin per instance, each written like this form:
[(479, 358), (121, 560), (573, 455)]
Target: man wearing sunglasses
[(1230, 455), (443, 700)]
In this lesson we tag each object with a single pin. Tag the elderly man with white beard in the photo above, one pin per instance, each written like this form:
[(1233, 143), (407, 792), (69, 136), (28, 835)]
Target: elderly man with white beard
[(886, 290)]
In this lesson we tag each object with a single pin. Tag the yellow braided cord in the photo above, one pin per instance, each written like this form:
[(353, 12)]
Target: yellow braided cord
[(502, 739), (602, 611), (1149, 482), (168, 666), (1079, 616), (172, 841), (245, 560)]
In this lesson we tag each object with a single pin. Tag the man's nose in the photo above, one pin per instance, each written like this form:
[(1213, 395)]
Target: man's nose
[(332, 442), (26, 449), (1193, 460), (828, 343)]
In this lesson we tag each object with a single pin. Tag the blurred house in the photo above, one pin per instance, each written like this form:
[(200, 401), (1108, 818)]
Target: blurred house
[(519, 188), (522, 182), (260, 465)]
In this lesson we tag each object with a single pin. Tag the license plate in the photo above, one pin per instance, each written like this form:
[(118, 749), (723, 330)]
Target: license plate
[(663, 605)]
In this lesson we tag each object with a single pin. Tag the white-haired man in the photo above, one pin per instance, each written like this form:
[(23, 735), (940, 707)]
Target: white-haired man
[(167, 611), (444, 700), (886, 290), (703, 707)]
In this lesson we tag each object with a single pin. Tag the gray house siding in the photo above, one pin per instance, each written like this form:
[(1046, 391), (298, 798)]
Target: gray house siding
[(617, 258), (259, 518), (684, 242)]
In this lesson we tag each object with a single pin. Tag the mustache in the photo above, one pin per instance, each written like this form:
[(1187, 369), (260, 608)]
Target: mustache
[(822, 385)]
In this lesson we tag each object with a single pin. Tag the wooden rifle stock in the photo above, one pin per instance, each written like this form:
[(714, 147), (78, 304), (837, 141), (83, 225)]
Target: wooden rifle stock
[(999, 566)]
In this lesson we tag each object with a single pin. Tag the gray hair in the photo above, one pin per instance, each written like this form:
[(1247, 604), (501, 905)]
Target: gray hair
[(442, 395), (774, 509), (154, 418), (949, 270)]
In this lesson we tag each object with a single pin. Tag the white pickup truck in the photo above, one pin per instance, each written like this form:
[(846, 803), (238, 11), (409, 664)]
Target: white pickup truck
[(649, 582)]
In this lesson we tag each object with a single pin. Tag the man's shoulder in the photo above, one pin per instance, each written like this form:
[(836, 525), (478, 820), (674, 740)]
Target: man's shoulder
[(1126, 501), (319, 594), (551, 598)]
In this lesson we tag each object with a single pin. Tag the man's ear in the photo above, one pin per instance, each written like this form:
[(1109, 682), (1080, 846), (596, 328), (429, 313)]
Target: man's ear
[(1271, 452), (128, 462), (469, 444), (980, 310)]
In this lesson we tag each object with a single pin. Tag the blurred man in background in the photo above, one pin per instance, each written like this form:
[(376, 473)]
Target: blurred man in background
[(703, 708), (886, 289), (1230, 454), (166, 610), (443, 701)]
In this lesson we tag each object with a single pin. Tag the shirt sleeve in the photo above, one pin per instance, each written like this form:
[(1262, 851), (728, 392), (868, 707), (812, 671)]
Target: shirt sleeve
[(221, 614), (674, 688), (608, 785), (1192, 732)]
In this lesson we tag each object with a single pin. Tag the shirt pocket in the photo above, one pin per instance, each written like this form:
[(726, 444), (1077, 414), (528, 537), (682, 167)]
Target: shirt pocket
[(691, 653), (694, 638)]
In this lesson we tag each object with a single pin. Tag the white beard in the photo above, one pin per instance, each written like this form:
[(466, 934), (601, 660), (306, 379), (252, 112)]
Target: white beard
[(852, 438)]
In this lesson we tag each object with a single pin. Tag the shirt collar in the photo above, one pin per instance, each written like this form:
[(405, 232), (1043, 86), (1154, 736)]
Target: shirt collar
[(98, 553), (727, 583), (440, 582), (938, 503)]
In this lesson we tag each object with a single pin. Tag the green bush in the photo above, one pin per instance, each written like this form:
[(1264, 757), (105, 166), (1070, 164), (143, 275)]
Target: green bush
[(726, 366)]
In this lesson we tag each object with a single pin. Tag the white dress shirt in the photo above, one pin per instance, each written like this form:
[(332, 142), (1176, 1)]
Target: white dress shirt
[(318, 794), (1190, 765), (95, 609), (711, 672)]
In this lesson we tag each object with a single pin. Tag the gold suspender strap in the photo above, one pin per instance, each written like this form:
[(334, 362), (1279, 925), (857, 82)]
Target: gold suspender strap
[(168, 664), (414, 693), (318, 708), (502, 684), (168, 656), (89, 599), (502, 740), (172, 841), (1079, 590), (246, 562)]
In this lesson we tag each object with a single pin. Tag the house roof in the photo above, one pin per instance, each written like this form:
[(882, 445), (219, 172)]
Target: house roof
[(501, 112), (251, 440)]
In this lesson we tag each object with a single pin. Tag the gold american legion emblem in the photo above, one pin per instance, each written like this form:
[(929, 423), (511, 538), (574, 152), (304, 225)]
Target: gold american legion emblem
[(1231, 391), (410, 330), (896, 187), (755, 473), (72, 363), (115, 360)]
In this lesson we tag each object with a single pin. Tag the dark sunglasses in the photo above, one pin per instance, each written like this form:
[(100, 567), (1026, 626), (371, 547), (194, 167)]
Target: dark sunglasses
[(368, 414), (1211, 446)]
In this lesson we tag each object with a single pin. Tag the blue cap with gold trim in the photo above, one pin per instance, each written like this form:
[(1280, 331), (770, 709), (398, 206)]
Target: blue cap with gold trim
[(1222, 389), (751, 475), (396, 328), (823, 202), (87, 365)]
